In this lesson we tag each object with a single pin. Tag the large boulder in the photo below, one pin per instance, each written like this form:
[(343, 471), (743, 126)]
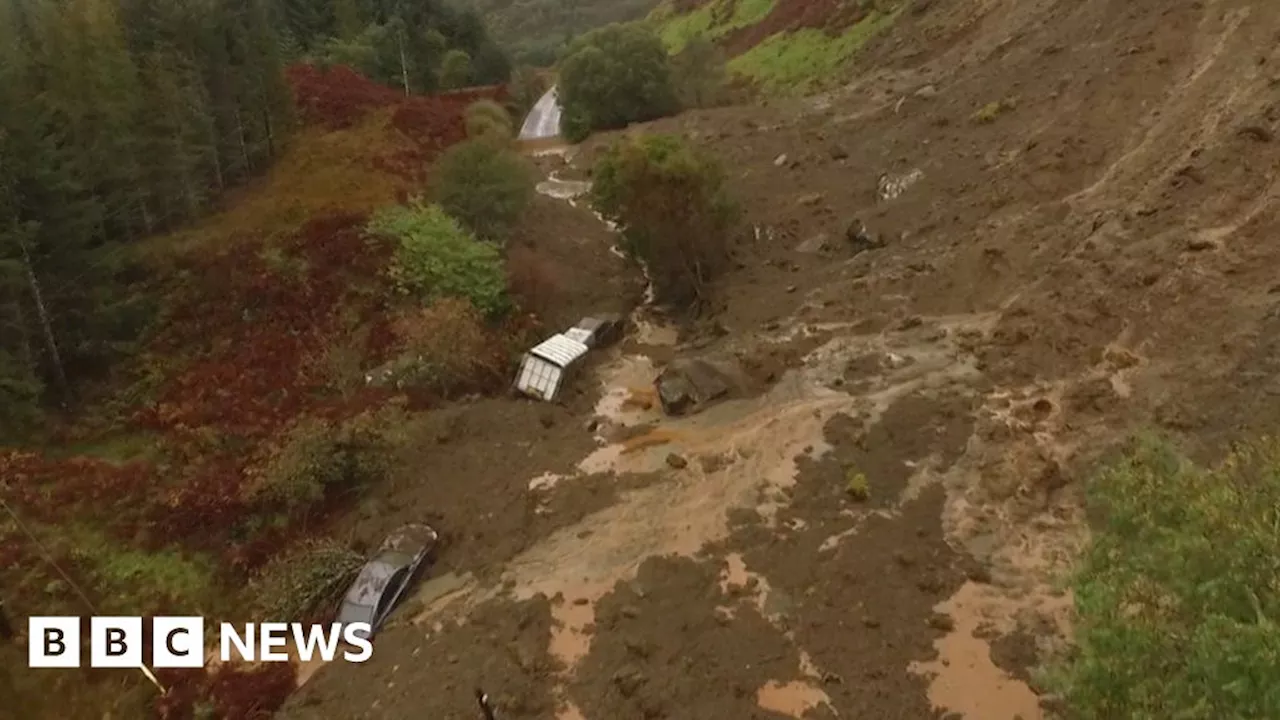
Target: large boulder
[(688, 385)]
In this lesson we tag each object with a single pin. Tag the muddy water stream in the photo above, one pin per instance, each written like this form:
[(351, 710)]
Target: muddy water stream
[(754, 444)]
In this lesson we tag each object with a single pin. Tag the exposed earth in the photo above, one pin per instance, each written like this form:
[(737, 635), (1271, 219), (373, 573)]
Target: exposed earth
[(1077, 200)]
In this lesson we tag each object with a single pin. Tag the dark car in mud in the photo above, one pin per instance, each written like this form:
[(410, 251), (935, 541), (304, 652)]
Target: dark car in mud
[(383, 580)]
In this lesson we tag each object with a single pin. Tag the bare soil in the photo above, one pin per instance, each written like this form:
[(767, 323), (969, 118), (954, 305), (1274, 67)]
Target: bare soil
[(1093, 258)]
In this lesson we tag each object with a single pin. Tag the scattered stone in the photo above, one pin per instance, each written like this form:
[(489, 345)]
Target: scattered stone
[(581, 601), (592, 425), (811, 199), (547, 420), (791, 289), (926, 92), (838, 153), (1258, 133), (870, 622), (815, 244), (687, 385), (942, 622), (1200, 244), (780, 160), (860, 239), (677, 461), (910, 323)]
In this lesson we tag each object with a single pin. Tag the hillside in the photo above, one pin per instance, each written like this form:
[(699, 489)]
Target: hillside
[(1077, 200), (535, 31), (782, 45), (980, 247)]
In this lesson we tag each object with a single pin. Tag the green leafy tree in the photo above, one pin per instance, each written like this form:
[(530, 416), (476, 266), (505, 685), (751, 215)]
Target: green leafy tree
[(1179, 595), (612, 77), (455, 70), (699, 75), (486, 119), (436, 258), (485, 185), (526, 87), (669, 199)]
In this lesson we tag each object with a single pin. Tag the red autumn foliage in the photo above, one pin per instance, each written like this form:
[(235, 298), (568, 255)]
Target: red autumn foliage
[(248, 383), (234, 691), (336, 97)]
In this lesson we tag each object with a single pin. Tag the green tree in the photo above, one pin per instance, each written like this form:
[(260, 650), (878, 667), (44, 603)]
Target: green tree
[(699, 75), (612, 77), (436, 258), (526, 87), (670, 201), (486, 119), (485, 185), (455, 70)]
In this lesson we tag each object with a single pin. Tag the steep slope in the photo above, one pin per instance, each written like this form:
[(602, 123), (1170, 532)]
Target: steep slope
[(784, 45), (1078, 199)]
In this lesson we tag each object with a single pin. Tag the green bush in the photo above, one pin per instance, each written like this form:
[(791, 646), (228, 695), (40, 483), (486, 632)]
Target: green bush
[(699, 76), (486, 119), (1179, 595), (455, 70), (317, 457), (669, 199), (612, 77), (485, 185), (308, 579), (435, 257)]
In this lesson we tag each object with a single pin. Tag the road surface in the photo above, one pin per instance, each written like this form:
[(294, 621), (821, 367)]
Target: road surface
[(543, 120)]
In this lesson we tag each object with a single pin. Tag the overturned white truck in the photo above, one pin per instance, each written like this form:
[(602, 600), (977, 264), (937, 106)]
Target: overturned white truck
[(548, 365)]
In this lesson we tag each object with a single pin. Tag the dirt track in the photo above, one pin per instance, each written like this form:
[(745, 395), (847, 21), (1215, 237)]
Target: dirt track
[(1094, 256)]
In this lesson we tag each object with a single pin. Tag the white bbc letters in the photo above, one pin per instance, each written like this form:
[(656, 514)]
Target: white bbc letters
[(53, 642), (177, 642), (115, 642)]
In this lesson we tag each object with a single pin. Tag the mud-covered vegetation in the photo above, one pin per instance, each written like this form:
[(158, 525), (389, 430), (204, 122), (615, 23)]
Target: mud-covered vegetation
[(1178, 595), (675, 214)]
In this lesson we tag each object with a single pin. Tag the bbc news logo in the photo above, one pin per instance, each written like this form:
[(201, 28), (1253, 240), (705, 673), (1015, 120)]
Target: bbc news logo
[(179, 642)]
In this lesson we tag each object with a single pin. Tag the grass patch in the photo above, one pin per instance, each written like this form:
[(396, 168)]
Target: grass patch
[(129, 580), (797, 60), (1179, 594), (119, 448), (677, 31), (988, 113), (856, 485)]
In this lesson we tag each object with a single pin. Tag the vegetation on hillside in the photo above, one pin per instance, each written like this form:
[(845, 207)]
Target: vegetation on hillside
[(536, 32), (669, 199), (418, 47), (1179, 595), (783, 47), (613, 76)]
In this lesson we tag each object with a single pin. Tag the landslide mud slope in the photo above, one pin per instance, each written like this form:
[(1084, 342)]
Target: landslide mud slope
[(1079, 204)]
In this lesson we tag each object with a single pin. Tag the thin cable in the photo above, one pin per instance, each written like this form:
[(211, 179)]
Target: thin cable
[(48, 557)]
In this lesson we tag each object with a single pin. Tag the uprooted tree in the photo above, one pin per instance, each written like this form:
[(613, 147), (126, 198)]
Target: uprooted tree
[(670, 202), (612, 77)]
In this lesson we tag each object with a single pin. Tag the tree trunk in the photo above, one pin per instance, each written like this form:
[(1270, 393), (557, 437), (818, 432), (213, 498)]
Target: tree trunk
[(271, 140), (51, 343), (404, 63), (244, 147)]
